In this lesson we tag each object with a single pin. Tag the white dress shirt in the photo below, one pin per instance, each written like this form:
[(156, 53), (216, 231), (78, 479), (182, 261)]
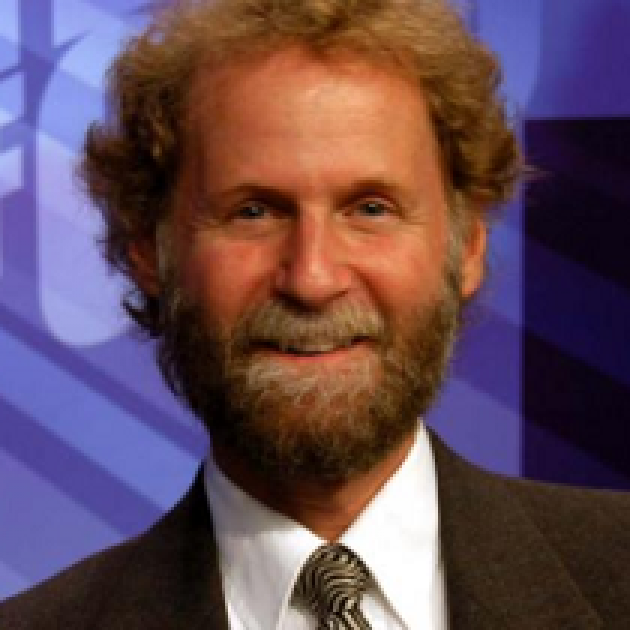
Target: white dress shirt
[(262, 552)]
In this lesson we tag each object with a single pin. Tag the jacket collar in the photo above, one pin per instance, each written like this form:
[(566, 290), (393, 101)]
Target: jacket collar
[(501, 572)]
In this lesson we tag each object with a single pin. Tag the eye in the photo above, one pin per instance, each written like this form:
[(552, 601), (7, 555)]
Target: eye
[(252, 210), (373, 208), (254, 219)]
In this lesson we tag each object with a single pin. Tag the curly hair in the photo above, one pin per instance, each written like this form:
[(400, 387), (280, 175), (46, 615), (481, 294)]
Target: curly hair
[(130, 163)]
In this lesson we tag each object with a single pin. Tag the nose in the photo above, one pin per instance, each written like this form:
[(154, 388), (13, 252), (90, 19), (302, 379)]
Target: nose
[(313, 268)]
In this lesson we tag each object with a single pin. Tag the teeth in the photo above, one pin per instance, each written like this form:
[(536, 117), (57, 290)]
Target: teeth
[(313, 348)]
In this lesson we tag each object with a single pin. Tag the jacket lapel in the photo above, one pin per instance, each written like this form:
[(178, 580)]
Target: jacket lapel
[(500, 570)]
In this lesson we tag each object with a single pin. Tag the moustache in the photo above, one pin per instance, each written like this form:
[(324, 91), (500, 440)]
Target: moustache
[(276, 325)]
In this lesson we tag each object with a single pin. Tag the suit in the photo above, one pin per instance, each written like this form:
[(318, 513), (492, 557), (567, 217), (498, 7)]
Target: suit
[(519, 556)]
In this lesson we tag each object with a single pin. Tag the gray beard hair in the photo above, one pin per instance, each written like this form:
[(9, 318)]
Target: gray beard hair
[(309, 423)]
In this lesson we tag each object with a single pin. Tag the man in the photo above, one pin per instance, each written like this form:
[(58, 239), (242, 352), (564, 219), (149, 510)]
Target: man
[(300, 192)]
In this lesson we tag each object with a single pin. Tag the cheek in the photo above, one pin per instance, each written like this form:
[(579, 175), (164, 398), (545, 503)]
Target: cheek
[(225, 278), (405, 273)]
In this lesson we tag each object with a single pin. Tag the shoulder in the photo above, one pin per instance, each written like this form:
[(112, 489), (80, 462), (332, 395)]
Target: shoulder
[(587, 525), (558, 511), (527, 536), (558, 502), (589, 531), (141, 583), (61, 600)]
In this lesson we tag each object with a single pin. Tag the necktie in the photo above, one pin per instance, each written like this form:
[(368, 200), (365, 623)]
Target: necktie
[(331, 584)]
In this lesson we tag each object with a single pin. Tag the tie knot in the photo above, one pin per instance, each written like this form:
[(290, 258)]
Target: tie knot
[(332, 581)]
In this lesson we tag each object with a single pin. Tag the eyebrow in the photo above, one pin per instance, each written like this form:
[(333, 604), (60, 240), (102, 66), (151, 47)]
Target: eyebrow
[(269, 194), (376, 186), (284, 198)]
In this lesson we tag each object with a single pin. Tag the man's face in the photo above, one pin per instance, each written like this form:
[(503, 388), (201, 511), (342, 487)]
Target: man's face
[(312, 298)]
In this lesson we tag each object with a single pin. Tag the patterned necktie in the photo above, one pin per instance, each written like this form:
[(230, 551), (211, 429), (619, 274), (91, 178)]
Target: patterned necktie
[(331, 584)]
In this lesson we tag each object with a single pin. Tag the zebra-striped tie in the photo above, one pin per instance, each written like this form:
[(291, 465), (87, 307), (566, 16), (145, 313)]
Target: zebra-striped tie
[(331, 584)]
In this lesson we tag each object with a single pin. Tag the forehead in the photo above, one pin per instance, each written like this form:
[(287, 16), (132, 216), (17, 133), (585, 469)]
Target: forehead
[(300, 122), (292, 79)]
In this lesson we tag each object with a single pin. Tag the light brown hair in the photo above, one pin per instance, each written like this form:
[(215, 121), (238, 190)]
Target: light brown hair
[(131, 163)]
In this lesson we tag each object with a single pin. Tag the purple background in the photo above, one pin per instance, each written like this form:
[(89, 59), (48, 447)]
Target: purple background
[(93, 448)]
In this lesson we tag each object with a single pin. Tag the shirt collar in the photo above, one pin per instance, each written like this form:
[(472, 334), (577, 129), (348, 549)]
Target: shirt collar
[(403, 518), (261, 551)]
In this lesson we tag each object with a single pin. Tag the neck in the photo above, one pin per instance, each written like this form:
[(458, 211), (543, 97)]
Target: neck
[(325, 508)]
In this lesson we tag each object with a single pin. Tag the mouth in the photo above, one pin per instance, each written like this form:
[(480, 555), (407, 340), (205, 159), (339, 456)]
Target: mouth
[(312, 350)]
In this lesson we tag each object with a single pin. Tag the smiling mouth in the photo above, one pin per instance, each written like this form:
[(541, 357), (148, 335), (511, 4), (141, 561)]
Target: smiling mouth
[(315, 350)]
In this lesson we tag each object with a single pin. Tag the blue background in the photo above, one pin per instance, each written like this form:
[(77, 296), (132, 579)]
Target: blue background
[(93, 448)]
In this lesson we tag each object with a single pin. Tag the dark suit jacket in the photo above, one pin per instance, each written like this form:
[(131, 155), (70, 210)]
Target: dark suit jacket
[(519, 556)]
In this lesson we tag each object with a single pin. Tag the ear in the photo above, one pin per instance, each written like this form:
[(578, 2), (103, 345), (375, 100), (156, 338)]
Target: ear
[(474, 257), (144, 266)]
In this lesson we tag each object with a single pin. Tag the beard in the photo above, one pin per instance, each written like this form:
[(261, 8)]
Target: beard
[(308, 420)]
